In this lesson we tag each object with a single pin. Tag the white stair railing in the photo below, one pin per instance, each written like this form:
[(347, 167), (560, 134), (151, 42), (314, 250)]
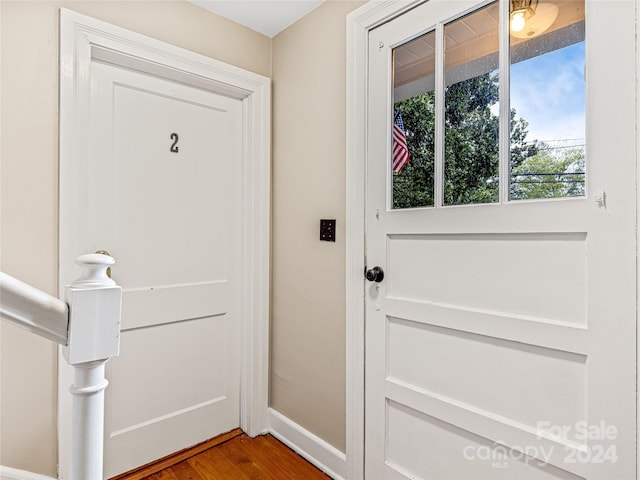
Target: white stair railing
[(88, 326), (33, 310)]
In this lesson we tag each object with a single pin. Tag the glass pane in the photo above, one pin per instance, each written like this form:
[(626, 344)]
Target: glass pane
[(471, 78), (547, 101), (414, 123)]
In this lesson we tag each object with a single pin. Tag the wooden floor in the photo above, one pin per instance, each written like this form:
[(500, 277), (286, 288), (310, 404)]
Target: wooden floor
[(233, 456)]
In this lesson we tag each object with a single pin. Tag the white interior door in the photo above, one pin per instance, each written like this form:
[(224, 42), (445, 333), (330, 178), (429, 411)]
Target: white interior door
[(501, 341), (164, 199)]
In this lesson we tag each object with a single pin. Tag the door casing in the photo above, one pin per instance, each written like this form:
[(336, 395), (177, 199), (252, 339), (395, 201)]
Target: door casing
[(84, 39), (359, 23)]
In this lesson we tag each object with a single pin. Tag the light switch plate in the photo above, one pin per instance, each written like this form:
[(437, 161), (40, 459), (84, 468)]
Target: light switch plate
[(328, 230)]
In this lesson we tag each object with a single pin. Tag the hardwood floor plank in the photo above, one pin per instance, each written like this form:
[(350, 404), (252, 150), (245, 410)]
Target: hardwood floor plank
[(237, 453), (293, 462), (282, 459), (147, 470), (240, 457), (214, 465), (163, 475), (184, 471)]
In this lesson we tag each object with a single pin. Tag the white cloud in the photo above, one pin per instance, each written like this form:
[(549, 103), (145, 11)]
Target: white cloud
[(548, 92)]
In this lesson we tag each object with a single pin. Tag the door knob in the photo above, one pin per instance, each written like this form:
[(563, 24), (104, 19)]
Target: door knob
[(375, 274)]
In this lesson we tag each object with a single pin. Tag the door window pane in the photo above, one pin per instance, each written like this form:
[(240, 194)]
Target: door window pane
[(471, 143), (414, 113), (547, 158)]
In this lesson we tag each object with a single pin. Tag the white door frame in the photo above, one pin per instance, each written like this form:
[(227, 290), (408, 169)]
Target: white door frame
[(359, 23), (83, 39)]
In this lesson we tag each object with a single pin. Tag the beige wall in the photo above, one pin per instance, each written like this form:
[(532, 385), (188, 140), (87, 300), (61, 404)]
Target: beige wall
[(308, 305), (308, 308), (29, 181)]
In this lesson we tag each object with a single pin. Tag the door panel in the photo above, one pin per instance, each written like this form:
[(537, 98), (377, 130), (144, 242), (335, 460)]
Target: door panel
[(425, 357), (165, 202), (489, 275), (164, 304), (502, 333), (179, 187), (168, 391), (447, 441)]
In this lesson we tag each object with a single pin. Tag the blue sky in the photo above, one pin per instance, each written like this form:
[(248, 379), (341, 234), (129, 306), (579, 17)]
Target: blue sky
[(548, 92)]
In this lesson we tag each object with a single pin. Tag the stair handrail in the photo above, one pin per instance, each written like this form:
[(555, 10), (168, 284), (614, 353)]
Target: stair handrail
[(34, 310)]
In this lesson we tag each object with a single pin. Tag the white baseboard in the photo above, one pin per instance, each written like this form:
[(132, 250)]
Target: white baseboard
[(8, 473), (324, 456)]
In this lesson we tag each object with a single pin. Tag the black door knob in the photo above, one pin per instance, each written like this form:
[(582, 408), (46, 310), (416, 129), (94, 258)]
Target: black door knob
[(375, 274)]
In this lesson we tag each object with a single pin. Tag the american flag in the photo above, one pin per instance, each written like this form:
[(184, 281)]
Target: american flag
[(400, 155)]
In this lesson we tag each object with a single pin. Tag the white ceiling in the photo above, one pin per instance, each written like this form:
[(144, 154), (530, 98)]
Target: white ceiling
[(268, 17)]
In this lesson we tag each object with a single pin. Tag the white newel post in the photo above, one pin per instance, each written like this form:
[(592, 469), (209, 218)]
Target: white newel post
[(89, 329), (94, 337)]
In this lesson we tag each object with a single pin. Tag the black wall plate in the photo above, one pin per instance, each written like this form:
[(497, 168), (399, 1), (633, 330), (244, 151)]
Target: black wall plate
[(328, 230)]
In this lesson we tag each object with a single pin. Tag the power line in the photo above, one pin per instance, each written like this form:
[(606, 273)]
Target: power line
[(543, 174), (563, 146), (563, 140), (558, 140), (542, 182)]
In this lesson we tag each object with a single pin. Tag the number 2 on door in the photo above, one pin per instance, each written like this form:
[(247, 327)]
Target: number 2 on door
[(174, 145)]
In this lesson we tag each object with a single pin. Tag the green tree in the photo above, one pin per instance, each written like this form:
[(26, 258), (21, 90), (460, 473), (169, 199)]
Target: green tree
[(414, 185), (550, 173), (471, 145)]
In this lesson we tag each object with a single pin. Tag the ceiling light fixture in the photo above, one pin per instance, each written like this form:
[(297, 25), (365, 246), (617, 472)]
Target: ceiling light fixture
[(521, 11), (530, 18)]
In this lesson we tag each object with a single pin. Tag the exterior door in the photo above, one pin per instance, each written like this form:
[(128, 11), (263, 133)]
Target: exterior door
[(501, 339), (164, 199)]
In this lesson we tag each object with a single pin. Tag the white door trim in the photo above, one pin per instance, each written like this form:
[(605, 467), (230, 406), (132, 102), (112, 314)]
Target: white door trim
[(84, 38), (359, 23), (637, 104)]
